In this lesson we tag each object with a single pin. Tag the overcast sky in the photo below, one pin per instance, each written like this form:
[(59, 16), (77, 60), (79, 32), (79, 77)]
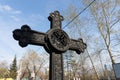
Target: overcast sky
[(15, 13)]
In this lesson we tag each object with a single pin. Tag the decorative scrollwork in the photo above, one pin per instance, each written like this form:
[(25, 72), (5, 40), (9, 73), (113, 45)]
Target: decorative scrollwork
[(58, 39)]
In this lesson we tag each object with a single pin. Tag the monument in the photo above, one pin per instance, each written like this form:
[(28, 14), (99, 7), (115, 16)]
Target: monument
[(55, 41)]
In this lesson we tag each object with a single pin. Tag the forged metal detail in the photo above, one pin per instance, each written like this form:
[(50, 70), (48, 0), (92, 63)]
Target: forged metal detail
[(55, 19), (27, 36), (21, 36), (55, 41), (78, 45), (58, 39), (25, 28)]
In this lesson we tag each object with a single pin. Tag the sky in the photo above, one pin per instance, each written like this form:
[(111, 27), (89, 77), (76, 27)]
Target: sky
[(15, 13)]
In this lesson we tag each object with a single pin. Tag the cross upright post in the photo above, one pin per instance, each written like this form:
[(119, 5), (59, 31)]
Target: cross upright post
[(56, 59), (55, 41)]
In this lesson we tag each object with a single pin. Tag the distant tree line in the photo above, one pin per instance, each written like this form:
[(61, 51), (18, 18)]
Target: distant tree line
[(30, 65), (98, 27), (6, 72)]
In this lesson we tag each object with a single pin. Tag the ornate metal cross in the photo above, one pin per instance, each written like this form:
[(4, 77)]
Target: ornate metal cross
[(55, 41)]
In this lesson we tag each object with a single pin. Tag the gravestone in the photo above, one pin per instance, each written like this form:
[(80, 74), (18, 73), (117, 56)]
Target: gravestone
[(55, 41)]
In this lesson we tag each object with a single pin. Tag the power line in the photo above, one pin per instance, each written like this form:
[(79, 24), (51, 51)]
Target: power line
[(74, 18), (79, 14)]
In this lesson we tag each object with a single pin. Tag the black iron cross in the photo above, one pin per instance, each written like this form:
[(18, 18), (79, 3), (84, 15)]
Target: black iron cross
[(55, 41)]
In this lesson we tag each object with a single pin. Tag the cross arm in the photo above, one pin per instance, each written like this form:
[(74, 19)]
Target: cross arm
[(77, 45), (27, 36)]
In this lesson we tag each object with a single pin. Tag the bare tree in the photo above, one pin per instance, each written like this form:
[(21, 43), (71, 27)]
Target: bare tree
[(103, 17), (77, 27), (32, 65), (106, 14)]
